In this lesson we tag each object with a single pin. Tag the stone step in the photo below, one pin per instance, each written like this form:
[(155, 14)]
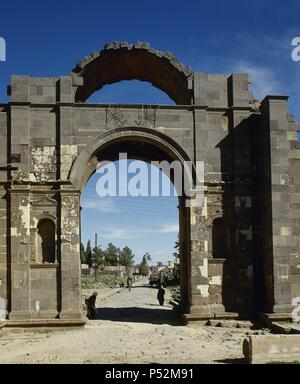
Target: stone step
[(285, 328), (230, 324), (31, 323)]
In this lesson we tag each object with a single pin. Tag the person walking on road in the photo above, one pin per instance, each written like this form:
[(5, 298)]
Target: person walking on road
[(91, 306), (161, 295), (129, 283)]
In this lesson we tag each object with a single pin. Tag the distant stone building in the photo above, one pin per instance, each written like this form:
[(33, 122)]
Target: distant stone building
[(117, 270), (239, 252)]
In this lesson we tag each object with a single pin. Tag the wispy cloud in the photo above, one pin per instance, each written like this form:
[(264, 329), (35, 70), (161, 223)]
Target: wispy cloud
[(263, 80), (173, 228), (136, 232), (117, 233), (106, 206)]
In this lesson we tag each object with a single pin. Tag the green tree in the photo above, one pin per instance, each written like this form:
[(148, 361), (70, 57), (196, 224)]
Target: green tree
[(82, 254), (126, 257), (88, 254), (111, 255), (176, 254), (144, 266), (148, 256), (99, 256)]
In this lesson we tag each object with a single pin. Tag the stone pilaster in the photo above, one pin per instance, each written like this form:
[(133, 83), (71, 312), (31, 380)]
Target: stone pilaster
[(278, 234), (199, 261), (20, 254), (70, 256)]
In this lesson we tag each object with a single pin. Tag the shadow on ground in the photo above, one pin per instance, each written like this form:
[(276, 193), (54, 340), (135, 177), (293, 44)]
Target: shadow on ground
[(140, 315), (232, 361), (144, 286)]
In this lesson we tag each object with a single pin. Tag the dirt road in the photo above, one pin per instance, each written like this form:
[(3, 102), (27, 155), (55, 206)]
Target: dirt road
[(130, 328), (138, 306)]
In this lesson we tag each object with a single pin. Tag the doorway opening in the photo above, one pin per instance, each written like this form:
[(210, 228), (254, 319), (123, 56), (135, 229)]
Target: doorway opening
[(132, 236)]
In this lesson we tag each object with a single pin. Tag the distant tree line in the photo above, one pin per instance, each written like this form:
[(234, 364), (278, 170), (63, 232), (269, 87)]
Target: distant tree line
[(111, 256)]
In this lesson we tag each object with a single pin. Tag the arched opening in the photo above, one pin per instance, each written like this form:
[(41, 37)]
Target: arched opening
[(142, 147), (46, 241), (122, 61), (136, 236), (219, 239), (130, 92)]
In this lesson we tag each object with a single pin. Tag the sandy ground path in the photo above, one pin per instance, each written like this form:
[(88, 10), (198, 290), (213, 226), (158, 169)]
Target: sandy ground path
[(130, 328)]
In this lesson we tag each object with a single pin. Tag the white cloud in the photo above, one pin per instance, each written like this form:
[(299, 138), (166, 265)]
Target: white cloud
[(264, 81), (116, 233), (173, 228), (136, 233), (121, 233), (100, 205)]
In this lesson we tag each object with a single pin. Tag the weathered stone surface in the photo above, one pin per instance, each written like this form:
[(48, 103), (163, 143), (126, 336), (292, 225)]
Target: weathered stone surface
[(286, 328), (266, 349)]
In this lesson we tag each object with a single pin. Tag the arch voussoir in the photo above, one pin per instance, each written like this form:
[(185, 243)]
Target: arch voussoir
[(122, 61)]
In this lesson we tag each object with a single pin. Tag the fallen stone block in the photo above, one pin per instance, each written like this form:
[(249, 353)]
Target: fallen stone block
[(295, 328), (281, 328), (190, 319), (266, 349), (244, 324), (288, 328), (214, 323)]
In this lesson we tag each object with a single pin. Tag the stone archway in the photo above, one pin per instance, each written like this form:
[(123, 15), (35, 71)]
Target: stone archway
[(167, 149), (142, 144), (54, 140)]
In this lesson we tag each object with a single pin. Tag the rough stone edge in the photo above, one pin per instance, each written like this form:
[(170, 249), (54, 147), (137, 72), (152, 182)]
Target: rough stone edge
[(254, 356), (138, 46), (31, 323)]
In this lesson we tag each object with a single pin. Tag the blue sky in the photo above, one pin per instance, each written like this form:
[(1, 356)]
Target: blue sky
[(48, 38), (145, 224)]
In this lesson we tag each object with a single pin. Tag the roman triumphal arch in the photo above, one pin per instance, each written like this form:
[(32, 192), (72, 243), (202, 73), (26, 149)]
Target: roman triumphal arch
[(239, 249)]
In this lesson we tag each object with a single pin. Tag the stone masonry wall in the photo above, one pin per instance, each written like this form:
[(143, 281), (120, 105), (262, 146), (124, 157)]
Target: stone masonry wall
[(252, 184)]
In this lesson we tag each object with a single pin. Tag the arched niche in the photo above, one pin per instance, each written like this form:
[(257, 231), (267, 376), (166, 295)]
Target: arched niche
[(46, 244)]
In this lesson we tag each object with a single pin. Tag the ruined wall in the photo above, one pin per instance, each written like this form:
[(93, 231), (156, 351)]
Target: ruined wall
[(213, 133), (280, 154), (224, 129), (252, 179), (294, 207), (4, 286)]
